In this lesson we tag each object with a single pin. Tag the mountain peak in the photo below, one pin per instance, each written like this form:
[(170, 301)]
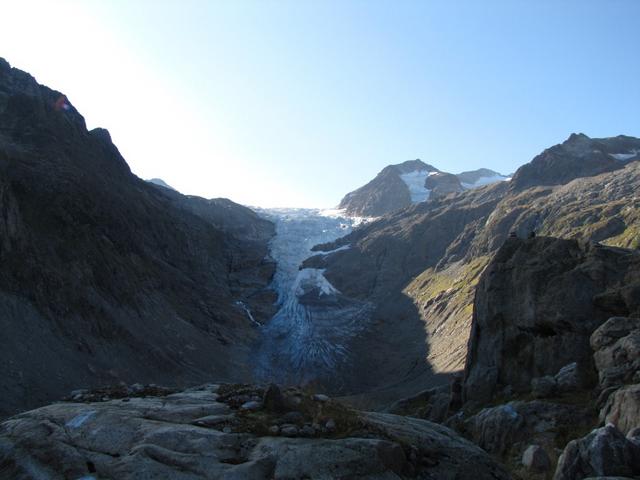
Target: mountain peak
[(412, 166), (578, 156)]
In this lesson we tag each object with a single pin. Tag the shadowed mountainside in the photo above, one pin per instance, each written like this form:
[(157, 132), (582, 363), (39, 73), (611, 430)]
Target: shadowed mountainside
[(105, 277)]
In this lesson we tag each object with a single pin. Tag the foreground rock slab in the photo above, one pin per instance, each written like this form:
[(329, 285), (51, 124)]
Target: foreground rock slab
[(203, 433)]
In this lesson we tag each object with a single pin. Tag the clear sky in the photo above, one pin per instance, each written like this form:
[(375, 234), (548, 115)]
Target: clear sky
[(295, 103)]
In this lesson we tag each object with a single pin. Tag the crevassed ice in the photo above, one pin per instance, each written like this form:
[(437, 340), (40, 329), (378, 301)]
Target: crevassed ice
[(415, 182), (306, 338)]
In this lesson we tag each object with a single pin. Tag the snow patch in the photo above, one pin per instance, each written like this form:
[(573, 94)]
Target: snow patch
[(624, 156), (482, 181), (246, 309), (339, 249), (415, 183)]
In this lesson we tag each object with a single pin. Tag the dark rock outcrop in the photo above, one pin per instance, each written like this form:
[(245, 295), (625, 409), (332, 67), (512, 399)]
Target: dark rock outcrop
[(105, 277), (537, 304), (442, 184), (206, 433)]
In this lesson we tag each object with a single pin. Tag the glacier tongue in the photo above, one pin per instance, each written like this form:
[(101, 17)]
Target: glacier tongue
[(310, 332)]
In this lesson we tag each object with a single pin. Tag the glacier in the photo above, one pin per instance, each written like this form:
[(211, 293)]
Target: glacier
[(311, 330), (415, 182)]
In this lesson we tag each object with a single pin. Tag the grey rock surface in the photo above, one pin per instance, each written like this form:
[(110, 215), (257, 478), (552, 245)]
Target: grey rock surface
[(623, 409), (617, 351), (161, 437)]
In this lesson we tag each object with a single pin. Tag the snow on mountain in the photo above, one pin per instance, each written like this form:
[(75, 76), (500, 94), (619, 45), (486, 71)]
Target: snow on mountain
[(482, 181), (625, 156), (415, 183)]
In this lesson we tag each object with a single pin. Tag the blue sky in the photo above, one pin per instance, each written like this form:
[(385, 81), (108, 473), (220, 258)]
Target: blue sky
[(295, 103)]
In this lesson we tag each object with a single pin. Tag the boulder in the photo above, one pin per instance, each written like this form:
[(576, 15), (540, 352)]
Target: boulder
[(617, 351), (166, 437), (535, 458), (623, 409), (603, 452), (432, 404), (509, 428)]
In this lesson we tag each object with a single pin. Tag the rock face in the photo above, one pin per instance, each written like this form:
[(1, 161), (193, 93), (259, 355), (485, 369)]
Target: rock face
[(578, 156), (617, 351), (623, 409), (537, 304), (616, 346), (202, 433), (440, 184), (106, 277)]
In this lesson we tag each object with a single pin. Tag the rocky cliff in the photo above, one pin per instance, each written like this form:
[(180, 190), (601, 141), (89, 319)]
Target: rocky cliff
[(536, 306), (108, 278)]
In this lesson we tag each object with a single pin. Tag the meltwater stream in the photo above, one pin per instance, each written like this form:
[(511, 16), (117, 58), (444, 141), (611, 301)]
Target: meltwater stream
[(309, 334)]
